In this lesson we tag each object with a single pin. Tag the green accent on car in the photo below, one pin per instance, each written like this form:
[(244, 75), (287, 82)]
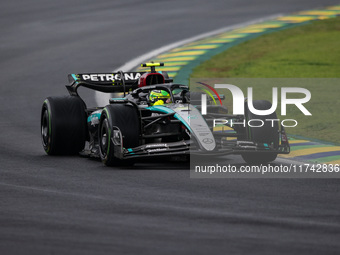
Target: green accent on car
[(74, 77), (131, 151), (167, 110), (109, 137), (94, 115)]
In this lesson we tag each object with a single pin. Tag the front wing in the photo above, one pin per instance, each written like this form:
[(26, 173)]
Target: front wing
[(188, 147)]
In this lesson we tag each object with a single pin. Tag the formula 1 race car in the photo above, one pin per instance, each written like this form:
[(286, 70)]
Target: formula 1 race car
[(154, 117)]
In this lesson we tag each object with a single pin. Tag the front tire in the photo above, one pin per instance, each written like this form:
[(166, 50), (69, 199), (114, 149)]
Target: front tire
[(266, 134), (114, 117)]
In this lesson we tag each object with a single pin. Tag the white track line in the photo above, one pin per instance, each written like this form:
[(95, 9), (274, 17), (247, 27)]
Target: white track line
[(103, 99)]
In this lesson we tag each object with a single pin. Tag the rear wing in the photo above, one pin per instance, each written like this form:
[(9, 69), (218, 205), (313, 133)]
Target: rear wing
[(108, 82), (104, 82), (117, 82)]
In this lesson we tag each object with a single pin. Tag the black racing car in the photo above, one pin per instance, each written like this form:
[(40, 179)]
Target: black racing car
[(136, 126)]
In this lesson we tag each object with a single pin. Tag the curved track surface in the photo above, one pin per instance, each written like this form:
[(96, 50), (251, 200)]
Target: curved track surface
[(73, 205)]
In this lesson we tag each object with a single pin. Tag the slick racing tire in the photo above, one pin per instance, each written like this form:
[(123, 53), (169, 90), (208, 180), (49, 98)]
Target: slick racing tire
[(118, 117), (63, 125), (266, 134)]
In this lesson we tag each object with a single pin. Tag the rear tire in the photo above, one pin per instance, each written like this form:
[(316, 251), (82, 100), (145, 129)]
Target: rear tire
[(124, 117), (265, 134), (63, 125)]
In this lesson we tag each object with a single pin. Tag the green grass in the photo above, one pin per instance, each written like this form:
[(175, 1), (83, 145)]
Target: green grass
[(308, 51)]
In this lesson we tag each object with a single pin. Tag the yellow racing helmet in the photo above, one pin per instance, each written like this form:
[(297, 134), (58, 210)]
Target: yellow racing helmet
[(158, 97)]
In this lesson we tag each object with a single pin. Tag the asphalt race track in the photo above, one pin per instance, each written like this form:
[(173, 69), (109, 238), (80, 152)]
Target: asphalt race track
[(74, 205)]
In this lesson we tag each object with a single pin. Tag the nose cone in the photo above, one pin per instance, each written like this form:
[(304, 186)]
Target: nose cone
[(198, 126)]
